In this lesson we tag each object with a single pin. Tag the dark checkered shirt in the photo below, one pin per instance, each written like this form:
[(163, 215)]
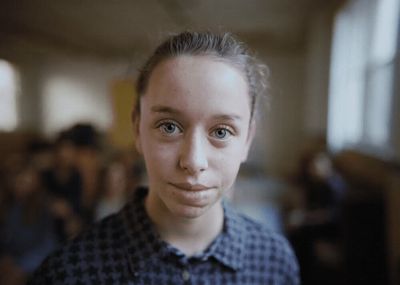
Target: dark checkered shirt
[(125, 249)]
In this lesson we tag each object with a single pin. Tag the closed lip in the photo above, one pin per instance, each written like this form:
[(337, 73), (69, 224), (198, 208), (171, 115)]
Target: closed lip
[(190, 187)]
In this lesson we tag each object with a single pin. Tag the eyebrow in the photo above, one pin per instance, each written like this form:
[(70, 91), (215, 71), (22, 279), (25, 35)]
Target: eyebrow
[(164, 109), (173, 111)]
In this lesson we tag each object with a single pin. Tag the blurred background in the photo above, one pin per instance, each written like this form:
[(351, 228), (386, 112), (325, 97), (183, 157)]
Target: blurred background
[(325, 165)]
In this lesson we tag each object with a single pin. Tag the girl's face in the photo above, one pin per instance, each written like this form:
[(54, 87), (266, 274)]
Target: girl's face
[(194, 131)]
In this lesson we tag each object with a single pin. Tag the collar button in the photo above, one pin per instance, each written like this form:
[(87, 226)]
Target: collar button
[(185, 275)]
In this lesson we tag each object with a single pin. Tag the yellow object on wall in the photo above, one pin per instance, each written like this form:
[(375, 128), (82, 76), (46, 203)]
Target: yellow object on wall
[(123, 97)]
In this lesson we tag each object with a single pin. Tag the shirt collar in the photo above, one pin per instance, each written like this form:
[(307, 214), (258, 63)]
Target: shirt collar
[(142, 243), (229, 248)]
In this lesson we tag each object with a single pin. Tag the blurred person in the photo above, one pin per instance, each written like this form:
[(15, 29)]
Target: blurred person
[(26, 226), (9, 165), (86, 141), (64, 183), (313, 224), (115, 190), (194, 123), (322, 188), (40, 153), (136, 174), (122, 174)]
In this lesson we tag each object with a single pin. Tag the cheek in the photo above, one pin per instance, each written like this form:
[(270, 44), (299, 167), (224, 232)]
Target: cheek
[(228, 164), (159, 157)]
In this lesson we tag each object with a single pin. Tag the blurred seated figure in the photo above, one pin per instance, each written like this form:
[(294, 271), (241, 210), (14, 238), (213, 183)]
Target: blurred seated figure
[(122, 175), (313, 223), (64, 183), (322, 190), (26, 226), (115, 189), (41, 154), (86, 140)]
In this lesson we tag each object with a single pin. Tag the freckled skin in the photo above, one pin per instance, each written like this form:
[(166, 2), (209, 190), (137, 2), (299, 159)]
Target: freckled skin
[(194, 128)]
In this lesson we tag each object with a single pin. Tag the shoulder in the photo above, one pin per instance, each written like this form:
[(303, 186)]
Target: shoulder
[(87, 259), (258, 233), (270, 251)]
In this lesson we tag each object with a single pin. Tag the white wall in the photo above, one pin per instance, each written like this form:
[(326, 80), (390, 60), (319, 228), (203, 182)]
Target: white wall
[(317, 67), (280, 131), (75, 90)]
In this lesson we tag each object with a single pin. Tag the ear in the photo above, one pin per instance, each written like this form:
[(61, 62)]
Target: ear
[(249, 139), (136, 130)]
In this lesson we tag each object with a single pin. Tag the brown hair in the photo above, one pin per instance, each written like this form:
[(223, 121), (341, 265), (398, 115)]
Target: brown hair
[(221, 46)]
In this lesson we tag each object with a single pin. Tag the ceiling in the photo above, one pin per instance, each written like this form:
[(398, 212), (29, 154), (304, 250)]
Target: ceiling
[(116, 28)]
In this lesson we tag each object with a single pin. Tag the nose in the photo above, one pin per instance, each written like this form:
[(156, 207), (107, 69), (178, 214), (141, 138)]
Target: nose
[(193, 156)]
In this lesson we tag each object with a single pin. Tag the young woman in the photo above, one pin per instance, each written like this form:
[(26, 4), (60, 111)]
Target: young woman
[(194, 124)]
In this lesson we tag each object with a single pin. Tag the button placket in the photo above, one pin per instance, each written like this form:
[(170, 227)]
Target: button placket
[(185, 275)]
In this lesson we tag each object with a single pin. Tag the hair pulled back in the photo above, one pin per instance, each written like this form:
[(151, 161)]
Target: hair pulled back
[(223, 47)]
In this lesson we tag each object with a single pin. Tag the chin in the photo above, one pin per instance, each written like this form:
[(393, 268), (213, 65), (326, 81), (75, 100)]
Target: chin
[(189, 212)]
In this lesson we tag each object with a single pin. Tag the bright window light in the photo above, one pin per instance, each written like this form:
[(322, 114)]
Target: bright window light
[(347, 88), (362, 76), (68, 100), (8, 97), (386, 30), (380, 73)]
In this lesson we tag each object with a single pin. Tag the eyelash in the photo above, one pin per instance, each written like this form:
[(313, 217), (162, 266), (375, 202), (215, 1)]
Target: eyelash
[(229, 131), (163, 124), (162, 127)]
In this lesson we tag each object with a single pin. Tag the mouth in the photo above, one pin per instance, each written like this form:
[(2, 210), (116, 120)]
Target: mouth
[(190, 187)]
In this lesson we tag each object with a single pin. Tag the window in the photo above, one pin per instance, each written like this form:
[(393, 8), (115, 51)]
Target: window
[(8, 97), (364, 55)]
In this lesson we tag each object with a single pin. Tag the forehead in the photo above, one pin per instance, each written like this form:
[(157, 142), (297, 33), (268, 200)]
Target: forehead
[(195, 81)]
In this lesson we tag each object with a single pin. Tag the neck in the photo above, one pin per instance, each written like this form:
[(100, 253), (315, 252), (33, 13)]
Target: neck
[(189, 235)]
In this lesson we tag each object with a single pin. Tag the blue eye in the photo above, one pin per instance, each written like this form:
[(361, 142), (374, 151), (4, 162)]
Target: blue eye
[(222, 133), (169, 128)]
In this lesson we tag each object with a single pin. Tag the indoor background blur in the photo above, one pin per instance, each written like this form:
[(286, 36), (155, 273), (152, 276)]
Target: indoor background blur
[(325, 164)]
